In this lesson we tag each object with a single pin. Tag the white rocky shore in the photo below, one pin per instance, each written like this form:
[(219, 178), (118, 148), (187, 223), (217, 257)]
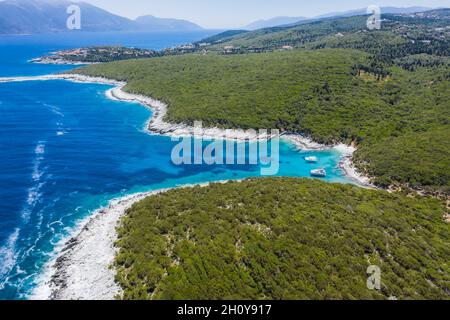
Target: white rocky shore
[(58, 61), (346, 165), (157, 125), (82, 268), (81, 271)]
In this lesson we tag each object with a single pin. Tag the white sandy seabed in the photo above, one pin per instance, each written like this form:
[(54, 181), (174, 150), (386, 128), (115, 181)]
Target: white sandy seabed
[(81, 268)]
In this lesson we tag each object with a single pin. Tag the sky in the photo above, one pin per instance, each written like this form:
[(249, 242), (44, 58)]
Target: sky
[(223, 14)]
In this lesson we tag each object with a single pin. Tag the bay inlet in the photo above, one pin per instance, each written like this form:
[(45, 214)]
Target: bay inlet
[(67, 150)]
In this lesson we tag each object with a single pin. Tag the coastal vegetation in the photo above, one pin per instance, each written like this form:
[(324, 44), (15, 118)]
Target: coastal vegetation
[(326, 94), (97, 54), (333, 80), (283, 239), (102, 54)]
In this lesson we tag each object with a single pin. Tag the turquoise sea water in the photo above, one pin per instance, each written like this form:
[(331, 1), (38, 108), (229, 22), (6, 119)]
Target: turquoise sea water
[(66, 150)]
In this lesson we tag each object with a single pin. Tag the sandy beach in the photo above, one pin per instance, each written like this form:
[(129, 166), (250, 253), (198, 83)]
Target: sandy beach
[(346, 164)]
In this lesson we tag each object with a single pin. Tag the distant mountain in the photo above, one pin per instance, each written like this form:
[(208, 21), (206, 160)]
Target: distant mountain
[(223, 36), (363, 11), (162, 24), (45, 16), (273, 22), (286, 21), (48, 16)]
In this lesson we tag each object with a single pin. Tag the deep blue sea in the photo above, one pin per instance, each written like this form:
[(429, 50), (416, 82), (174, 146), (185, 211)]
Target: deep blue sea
[(66, 150)]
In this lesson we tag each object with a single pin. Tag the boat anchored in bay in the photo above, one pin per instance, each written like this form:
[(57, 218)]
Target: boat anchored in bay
[(319, 173), (311, 159)]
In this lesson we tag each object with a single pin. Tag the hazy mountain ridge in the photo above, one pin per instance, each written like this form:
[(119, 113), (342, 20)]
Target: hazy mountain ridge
[(154, 23), (384, 10), (285, 21), (272, 22), (47, 16), (431, 25)]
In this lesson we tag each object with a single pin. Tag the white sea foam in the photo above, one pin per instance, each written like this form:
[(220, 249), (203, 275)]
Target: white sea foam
[(33, 197), (40, 148), (34, 192), (39, 151), (54, 109), (37, 174), (8, 256)]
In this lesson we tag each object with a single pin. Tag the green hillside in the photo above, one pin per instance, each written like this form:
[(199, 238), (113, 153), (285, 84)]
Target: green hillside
[(276, 37), (331, 95), (283, 239), (400, 35)]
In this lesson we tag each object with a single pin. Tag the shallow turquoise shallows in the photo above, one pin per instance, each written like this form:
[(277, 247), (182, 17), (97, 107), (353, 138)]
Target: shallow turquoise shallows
[(66, 150)]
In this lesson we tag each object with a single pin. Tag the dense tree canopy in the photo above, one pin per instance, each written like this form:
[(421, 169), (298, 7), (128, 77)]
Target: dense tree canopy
[(331, 95), (283, 239)]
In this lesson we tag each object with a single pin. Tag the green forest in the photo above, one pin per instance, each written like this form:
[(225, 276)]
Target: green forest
[(317, 93), (283, 239), (385, 91)]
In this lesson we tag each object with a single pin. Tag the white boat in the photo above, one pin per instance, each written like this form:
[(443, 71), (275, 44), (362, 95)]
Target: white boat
[(311, 159), (320, 173)]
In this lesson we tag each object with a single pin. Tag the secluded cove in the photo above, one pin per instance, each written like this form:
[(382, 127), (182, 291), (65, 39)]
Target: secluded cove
[(249, 139), (148, 178), (84, 153), (76, 150), (83, 258), (316, 93)]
